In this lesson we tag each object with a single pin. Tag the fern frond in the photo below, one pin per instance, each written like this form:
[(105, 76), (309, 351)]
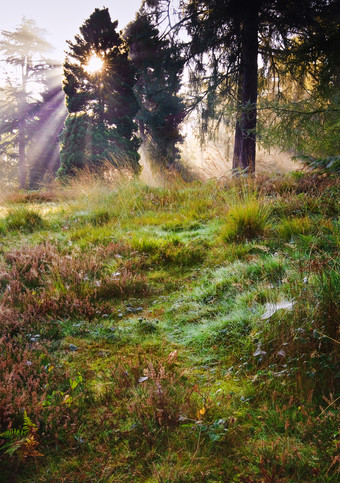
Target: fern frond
[(13, 434), (28, 424)]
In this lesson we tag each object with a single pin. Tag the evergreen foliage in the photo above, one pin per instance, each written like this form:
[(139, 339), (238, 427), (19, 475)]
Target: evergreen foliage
[(303, 112), (161, 110), (226, 38), (101, 104), (23, 113)]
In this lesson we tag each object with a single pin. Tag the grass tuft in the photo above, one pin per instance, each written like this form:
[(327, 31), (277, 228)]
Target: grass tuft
[(246, 220), (23, 219), (291, 228)]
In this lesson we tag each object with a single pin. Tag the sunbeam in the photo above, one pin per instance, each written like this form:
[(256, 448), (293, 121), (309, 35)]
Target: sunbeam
[(94, 64)]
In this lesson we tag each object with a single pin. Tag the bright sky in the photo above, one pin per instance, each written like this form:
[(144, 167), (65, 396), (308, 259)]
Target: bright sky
[(62, 18)]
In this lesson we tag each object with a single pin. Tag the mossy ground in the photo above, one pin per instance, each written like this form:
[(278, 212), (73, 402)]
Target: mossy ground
[(176, 334)]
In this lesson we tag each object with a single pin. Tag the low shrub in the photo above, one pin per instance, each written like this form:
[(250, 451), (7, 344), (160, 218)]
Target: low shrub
[(121, 284), (160, 401), (30, 382)]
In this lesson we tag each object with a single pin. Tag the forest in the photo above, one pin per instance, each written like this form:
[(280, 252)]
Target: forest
[(170, 292)]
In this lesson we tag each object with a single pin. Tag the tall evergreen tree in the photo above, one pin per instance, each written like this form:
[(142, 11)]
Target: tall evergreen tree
[(226, 38), (24, 51), (161, 110), (99, 82)]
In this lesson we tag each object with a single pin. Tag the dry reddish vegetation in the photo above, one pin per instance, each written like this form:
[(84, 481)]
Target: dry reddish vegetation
[(149, 358), (39, 286)]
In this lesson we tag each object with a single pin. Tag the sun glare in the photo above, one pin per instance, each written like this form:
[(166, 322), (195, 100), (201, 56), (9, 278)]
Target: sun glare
[(95, 64)]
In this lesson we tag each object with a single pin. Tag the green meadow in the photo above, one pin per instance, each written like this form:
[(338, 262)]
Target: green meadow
[(184, 333)]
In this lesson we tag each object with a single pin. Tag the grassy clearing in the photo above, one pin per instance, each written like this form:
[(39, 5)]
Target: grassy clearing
[(184, 333)]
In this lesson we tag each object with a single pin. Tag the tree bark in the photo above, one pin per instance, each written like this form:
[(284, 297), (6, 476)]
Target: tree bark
[(22, 154), (22, 108), (245, 132), (238, 129), (22, 112)]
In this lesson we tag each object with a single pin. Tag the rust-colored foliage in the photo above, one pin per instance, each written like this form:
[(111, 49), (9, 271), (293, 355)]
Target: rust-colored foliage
[(40, 285)]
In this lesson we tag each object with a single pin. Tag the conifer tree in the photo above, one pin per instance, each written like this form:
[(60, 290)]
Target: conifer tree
[(161, 110), (226, 37), (23, 49), (100, 99)]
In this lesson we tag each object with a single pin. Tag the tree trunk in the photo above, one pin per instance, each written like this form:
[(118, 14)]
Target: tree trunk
[(238, 129), (245, 133), (22, 112), (141, 129), (22, 140)]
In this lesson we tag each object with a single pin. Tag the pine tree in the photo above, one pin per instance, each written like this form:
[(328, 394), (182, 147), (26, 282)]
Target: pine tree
[(161, 110), (226, 38), (23, 49), (101, 102)]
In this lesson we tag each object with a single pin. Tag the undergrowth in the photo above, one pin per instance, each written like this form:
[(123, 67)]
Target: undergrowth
[(183, 333)]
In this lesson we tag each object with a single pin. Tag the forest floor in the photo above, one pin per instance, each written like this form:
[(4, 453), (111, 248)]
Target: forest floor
[(188, 333)]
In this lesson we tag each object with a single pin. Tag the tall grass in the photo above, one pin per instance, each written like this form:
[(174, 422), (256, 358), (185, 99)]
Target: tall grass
[(23, 219), (246, 219)]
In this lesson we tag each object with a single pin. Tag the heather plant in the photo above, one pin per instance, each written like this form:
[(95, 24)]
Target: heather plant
[(156, 402), (28, 377), (175, 333), (51, 193)]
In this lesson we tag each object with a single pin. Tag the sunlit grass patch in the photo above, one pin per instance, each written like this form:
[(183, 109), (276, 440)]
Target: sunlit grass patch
[(23, 219), (151, 218), (169, 250), (85, 236), (291, 228), (245, 221)]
